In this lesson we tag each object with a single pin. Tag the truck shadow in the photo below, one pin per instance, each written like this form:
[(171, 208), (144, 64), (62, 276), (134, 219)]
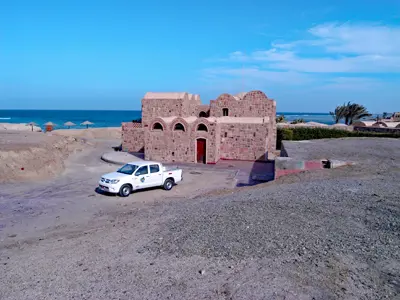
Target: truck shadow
[(104, 193)]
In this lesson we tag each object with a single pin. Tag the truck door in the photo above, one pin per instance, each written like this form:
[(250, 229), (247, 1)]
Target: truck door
[(156, 175), (141, 178)]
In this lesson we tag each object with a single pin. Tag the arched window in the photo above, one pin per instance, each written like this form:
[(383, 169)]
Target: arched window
[(203, 114), (225, 112), (158, 126), (179, 127), (202, 127)]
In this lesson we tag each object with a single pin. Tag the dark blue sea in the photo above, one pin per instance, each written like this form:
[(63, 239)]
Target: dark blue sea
[(111, 118), (100, 118)]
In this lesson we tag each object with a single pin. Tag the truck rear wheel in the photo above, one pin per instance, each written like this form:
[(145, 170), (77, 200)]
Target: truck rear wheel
[(125, 190), (168, 184)]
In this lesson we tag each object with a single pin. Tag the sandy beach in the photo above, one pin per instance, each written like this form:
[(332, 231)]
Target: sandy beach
[(331, 234)]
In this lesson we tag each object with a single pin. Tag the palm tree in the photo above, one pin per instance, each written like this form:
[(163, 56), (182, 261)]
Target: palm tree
[(280, 119), (298, 121), (339, 113), (350, 112), (355, 112)]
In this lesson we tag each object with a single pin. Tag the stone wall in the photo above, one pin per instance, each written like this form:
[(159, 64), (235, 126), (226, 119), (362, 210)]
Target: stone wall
[(153, 108), (170, 145), (132, 137), (253, 104), (377, 129), (243, 141), (184, 106), (202, 108)]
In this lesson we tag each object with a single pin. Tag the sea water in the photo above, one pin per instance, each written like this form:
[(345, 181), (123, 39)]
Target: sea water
[(100, 118), (112, 118)]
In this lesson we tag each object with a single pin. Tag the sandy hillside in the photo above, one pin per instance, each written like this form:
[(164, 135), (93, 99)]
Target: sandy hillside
[(91, 133), (19, 127), (33, 155)]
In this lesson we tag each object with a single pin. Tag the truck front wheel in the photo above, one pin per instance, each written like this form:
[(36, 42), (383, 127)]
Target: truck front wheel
[(125, 190), (168, 184)]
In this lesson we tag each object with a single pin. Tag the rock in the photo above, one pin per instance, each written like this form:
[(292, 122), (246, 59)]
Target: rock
[(13, 235), (202, 272)]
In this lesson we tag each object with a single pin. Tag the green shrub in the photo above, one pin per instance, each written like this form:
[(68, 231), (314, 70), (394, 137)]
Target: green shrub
[(297, 121), (315, 133), (283, 134), (287, 134)]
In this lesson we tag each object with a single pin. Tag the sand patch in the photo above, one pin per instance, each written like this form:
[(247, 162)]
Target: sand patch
[(31, 155), (91, 133)]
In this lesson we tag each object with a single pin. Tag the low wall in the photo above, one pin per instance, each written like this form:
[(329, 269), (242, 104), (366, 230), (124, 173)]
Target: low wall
[(287, 165), (378, 129), (132, 137)]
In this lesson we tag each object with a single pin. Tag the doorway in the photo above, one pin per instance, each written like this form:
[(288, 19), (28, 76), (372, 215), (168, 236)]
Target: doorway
[(201, 151)]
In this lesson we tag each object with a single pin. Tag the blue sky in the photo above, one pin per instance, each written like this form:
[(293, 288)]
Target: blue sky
[(307, 55)]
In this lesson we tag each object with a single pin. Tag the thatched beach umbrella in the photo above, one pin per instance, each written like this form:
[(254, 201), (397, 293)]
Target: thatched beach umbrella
[(69, 124), (49, 126), (32, 124), (87, 123)]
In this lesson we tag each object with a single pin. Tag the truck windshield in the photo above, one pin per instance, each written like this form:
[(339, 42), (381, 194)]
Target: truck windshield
[(128, 169)]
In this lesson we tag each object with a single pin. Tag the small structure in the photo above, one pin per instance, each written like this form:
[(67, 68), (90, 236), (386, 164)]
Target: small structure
[(69, 124), (396, 117), (32, 124), (177, 127), (49, 126), (87, 123), (365, 124), (316, 124)]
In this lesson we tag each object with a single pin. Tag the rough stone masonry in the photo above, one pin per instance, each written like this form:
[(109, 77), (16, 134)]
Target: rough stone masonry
[(176, 127)]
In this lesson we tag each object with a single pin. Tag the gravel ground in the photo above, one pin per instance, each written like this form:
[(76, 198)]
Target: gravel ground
[(331, 234)]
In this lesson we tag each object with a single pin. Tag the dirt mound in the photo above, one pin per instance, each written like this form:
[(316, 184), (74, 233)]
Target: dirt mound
[(28, 156)]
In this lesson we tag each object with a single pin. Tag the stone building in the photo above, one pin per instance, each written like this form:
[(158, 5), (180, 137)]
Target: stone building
[(177, 127)]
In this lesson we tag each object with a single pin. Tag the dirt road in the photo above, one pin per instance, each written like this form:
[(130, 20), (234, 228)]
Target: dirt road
[(315, 237)]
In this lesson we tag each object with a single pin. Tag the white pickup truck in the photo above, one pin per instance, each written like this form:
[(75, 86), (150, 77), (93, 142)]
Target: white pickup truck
[(139, 175)]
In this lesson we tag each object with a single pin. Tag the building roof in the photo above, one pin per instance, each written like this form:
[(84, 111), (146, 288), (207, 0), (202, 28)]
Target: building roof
[(175, 95), (204, 107), (242, 120), (186, 119), (240, 96), (364, 123), (391, 124), (190, 119), (220, 120), (168, 119)]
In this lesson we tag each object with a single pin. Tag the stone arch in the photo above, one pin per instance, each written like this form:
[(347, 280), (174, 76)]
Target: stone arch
[(179, 127), (203, 114), (159, 121), (157, 126), (183, 123), (202, 127)]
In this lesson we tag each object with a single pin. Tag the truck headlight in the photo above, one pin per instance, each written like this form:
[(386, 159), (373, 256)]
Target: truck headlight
[(114, 181)]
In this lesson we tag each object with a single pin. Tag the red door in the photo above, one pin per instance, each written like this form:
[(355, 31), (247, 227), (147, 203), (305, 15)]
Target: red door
[(201, 151)]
